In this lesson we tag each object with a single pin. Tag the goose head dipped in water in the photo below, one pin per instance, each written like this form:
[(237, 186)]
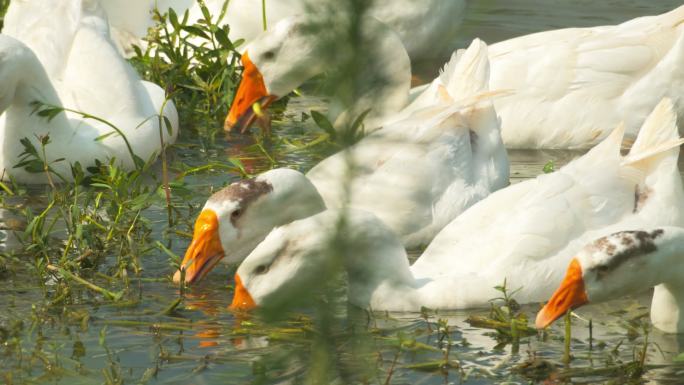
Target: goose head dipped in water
[(626, 263)]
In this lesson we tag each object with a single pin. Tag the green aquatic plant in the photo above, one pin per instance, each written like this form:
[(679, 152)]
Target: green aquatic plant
[(347, 137), (549, 167), (506, 318), (98, 216), (197, 63), (83, 224)]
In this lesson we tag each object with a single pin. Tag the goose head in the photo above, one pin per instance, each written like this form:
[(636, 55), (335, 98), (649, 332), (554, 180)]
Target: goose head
[(294, 50), (235, 219), (285, 266), (294, 261), (274, 64), (624, 263)]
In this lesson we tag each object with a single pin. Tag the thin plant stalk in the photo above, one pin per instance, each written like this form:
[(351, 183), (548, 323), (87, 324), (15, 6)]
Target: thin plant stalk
[(6, 188), (515, 346), (263, 13), (86, 115), (165, 167), (568, 336), (591, 335), (46, 166), (390, 373)]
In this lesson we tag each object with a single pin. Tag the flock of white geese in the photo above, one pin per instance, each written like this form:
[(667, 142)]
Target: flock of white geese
[(434, 171)]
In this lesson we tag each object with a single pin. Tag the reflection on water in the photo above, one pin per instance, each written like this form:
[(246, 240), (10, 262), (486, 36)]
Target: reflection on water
[(206, 344)]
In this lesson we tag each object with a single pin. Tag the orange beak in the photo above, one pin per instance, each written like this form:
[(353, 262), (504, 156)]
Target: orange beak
[(570, 295), (251, 90), (242, 300), (204, 251)]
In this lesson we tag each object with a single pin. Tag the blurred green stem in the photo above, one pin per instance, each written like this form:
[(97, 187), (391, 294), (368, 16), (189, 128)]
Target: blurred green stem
[(568, 336), (263, 13)]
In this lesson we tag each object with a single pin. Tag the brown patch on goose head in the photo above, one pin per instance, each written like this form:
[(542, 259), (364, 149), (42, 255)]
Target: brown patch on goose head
[(633, 243), (244, 192)]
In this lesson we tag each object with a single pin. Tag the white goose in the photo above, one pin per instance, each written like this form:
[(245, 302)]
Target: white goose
[(624, 263), (59, 52), (282, 58), (571, 86), (525, 234), (416, 175), (568, 88), (285, 56)]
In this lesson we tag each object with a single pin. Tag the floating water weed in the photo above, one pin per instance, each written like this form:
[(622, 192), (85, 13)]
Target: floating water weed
[(507, 319)]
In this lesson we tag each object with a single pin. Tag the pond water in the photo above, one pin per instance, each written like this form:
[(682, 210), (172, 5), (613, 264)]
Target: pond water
[(203, 343)]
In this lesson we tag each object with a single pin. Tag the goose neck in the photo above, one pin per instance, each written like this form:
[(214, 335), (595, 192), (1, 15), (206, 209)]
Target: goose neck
[(378, 272), (667, 306)]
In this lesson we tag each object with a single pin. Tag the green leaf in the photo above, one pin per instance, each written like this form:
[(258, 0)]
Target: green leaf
[(49, 112), (195, 31), (323, 123), (32, 166), (549, 167), (140, 202), (205, 12), (137, 50), (77, 172), (237, 163), (174, 257), (105, 136), (168, 125), (103, 333), (356, 127), (29, 148), (173, 18), (139, 162), (222, 38), (101, 185), (237, 43)]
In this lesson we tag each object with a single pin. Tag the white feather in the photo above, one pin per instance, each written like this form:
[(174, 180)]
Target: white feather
[(70, 61)]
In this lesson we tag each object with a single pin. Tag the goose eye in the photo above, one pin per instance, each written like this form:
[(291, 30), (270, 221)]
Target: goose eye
[(602, 271), (236, 214), (261, 269), (268, 55)]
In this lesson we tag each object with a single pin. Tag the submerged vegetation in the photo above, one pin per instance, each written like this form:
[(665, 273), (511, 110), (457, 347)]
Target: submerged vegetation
[(86, 265)]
